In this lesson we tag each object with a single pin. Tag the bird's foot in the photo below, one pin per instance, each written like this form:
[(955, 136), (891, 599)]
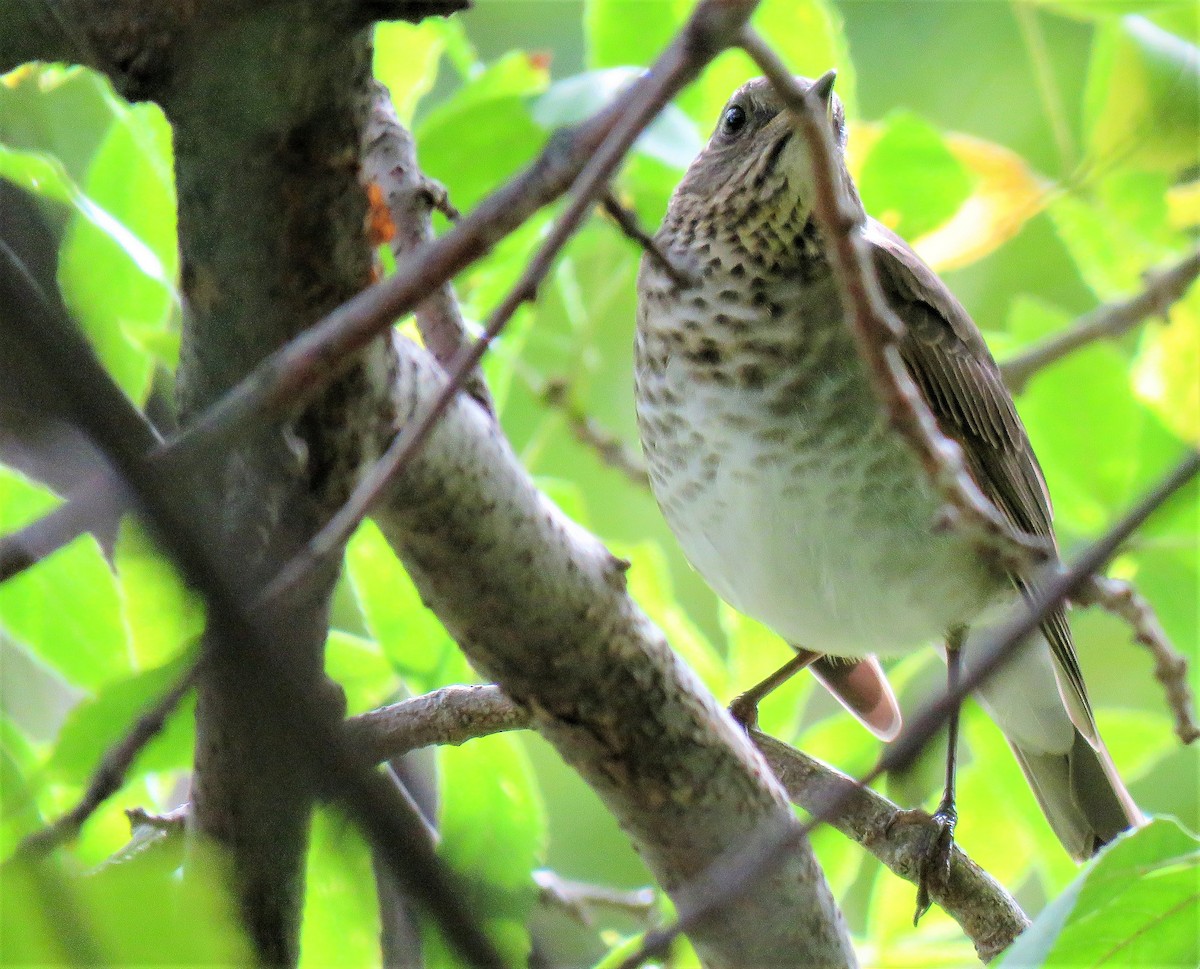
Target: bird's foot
[(935, 858), (744, 709)]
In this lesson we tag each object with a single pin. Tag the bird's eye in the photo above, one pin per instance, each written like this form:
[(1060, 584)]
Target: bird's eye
[(734, 120)]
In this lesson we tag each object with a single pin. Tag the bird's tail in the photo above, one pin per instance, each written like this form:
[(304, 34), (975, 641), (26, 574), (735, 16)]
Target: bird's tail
[(1081, 795), (1071, 774)]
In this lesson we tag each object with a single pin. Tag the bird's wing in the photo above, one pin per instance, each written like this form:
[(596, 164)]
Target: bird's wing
[(951, 364)]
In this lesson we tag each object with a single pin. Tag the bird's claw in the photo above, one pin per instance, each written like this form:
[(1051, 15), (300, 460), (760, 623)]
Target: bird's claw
[(744, 709), (934, 867)]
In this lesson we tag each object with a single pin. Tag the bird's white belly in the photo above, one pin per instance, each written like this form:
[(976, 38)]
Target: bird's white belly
[(826, 539)]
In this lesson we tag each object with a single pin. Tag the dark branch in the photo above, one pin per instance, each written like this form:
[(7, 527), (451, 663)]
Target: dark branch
[(677, 66), (173, 509), (988, 915), (609, 448), (1107, 322), (877, 331), (456, 714), (627, 222), (110, 775), (994, 652)]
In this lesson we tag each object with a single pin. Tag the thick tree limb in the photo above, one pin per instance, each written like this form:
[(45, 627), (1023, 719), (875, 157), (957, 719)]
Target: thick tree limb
[(1106, 322), (677, 65), (540, 605), (294, 373)]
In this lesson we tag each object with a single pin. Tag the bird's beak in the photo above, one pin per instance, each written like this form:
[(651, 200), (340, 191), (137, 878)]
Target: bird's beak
[(823, 89)]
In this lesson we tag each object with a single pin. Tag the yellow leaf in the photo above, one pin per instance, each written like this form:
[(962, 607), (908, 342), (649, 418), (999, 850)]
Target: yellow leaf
[(1183, 205), (1166, 373), (1007, 194)]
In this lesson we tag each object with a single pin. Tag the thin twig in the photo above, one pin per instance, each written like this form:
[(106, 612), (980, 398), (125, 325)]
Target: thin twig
[(627, 222), (609, 448), (994, 652), (1170, 666), (390, 162), (877, 332), (578, 899), (640, 106), (1162, 288), (110, 775)]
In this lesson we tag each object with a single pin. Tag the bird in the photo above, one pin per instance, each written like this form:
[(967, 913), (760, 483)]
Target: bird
[(795, 499)]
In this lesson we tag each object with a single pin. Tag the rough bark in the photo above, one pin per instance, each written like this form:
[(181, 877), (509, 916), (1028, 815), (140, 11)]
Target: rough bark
[(540, 605)]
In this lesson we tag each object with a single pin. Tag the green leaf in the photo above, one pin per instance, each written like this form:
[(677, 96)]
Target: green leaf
[(123, 296), (807, 34), (910, 180), (99, 259), (137, 912), (63, 112), (406, 60), (341, 915), (1136, 904), (1105, 9), (671, 138), (19, 814), (493, 829), (411, 637), (487, 121), (66, 609), (97, 723), (624, 32), (161, 613), (361, 669), (1142, 103), (1084, 422)]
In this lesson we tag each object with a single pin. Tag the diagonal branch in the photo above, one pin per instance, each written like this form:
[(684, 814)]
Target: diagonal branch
[(676, 67), (994, 652), (1107, 322), (289, 377), (1170, 666), (239, 642), (110, 775), (877, 332), (390, 162)]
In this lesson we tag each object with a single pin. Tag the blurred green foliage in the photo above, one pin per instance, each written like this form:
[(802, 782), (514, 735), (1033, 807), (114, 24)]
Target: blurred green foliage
[(1043, 154)]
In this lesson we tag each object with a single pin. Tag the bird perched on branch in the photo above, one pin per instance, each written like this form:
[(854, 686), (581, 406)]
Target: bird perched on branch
[(776, 468)]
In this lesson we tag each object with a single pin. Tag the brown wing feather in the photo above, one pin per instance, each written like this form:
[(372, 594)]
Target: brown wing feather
[(950, 362)]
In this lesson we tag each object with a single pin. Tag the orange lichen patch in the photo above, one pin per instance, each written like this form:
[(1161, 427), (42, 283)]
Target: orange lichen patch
[(379, 225), (1007, 194)]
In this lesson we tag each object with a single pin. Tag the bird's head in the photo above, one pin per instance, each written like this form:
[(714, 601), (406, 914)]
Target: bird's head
[(756, 165)]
